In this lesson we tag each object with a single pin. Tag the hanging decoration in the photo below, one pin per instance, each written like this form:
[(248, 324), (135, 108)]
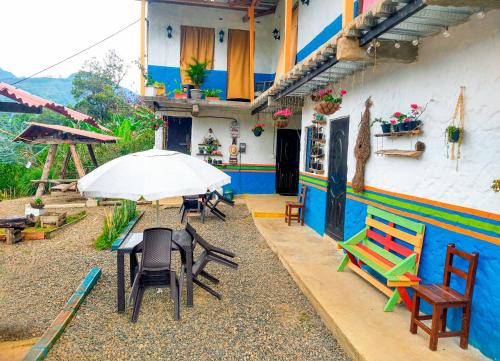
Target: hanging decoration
[(362, 149), (327, 101), (282, 117), (233, 148), (455, 131), (258, 129), (495, 185)]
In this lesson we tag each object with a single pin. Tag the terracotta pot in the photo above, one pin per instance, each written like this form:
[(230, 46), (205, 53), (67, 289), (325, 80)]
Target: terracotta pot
[(281, 123), (212, 98), (180, 96), (326, 108)]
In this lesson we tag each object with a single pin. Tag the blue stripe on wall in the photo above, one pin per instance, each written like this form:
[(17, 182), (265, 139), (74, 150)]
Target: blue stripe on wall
[(315, 216), (215, 78), (252, 182), (431, 271)]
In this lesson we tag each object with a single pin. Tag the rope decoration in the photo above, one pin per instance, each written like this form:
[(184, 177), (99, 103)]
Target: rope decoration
[(362, 150), (458, 120)]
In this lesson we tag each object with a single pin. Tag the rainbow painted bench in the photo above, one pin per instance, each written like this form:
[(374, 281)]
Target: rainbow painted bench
[(391, 246)]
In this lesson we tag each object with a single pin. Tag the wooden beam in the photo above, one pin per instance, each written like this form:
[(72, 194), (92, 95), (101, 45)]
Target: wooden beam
[(76, 160), (205, 4), (259, 14), (142, 57), (288, 34), (67, 157), (251, 16), (11, 107), (46, 169), (92, 156)]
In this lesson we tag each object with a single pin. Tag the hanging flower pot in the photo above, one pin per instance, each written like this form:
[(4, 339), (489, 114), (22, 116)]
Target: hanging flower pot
[(326, 108), (258, 129), (328, 102), (454, 134), (281, 118)]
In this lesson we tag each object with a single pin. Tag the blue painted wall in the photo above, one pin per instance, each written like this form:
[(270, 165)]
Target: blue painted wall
[(253, 182), (315, 216), (485, 319), (215, 78)]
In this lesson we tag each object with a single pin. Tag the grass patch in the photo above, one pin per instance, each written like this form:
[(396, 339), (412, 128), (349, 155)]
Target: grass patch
[(114, 224)]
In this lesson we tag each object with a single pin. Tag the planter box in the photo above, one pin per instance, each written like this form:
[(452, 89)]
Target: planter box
[(28, 210), (180, 96), (57, 219), (214, 99)]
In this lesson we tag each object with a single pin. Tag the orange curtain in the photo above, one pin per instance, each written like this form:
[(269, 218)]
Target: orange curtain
[(280, 70), (197, 43), (238, 64)]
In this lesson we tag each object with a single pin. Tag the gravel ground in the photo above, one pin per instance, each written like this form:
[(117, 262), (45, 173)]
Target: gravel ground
[(262, 316)]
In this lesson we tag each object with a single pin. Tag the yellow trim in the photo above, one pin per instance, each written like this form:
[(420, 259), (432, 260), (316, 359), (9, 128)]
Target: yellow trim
[(251, 16), (348, 12), (142, 57), (288, 34), (268, 214), (314, 175)]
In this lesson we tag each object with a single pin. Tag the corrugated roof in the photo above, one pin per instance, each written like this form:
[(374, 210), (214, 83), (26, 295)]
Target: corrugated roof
[(35, 130), (34, 101)]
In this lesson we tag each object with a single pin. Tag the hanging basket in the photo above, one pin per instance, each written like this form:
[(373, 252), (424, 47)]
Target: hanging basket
[(257, 131), (327, 108), (281, 123)]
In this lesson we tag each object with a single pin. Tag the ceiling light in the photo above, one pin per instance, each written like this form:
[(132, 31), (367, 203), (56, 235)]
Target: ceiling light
[(415, 42), (446, 33), (397, 45)]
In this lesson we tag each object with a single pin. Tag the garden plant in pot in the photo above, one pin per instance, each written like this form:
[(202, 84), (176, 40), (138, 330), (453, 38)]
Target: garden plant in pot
[(407, 122), (386, 125), (196, 72), (454, 134), (37, 203), (150, 90), (282, 117), (258, 129), (178, 91), (159, 88), (212, 94), (327, 101)]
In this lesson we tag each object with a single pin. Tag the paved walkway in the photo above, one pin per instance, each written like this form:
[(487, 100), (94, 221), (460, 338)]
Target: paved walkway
[(350, 307)]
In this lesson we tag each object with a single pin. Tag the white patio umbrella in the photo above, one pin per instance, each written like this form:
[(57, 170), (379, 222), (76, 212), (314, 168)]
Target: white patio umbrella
[(153, 174)]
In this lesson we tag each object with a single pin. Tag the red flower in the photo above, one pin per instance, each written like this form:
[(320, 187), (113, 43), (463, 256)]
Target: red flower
[(414, 106), (406, 120), (397, 114), (393, 122), (343, 92)]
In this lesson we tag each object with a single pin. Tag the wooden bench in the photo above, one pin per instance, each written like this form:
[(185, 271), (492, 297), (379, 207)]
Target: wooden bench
[(13, 227), (393, 252)]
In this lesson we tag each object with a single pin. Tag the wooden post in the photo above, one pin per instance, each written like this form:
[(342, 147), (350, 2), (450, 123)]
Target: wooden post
[(348, 12), (251, 16), (65, 164), (142, 55), (76, 160), (46, 169), (92, 155), (288, 34), (12, 235)]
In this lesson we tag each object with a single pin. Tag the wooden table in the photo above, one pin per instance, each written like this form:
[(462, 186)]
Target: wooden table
[(133, 244)]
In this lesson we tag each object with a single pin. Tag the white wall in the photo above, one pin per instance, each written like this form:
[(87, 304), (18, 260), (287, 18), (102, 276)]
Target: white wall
[(315, 17), (166, 52), (469, 57), (260, 150)]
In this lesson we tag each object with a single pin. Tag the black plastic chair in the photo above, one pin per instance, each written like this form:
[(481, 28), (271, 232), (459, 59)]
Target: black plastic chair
[(213, 199), (192, 204), (209, 254), (155, 270)]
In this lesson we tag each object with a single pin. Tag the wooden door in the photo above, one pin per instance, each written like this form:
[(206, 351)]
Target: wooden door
[(337, 178), (287, 161)]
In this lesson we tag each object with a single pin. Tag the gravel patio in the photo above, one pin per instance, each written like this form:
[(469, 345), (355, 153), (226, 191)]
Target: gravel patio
[(262, 316)]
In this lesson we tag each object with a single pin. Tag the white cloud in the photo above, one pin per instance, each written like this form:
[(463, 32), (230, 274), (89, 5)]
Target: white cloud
[(37, 34)]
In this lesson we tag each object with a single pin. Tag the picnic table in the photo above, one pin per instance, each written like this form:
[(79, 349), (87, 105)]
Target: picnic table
[(181, 241)]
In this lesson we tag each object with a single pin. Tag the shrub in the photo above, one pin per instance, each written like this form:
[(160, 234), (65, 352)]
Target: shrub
[(114, 224)]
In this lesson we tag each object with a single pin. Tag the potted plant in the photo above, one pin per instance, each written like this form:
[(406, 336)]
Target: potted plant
[(454, 134), (209, 160), (416, 112), (258, 129), (212, 94), (282, 117), (150, 90), (178, 91), (160, 88), (327, 101), (387, 126), (37, 203), (196, 72), (495, 185)]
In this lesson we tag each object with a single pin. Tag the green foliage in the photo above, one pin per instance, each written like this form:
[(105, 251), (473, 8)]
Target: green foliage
[(212, 92), (16, 178), (150, 81), (196, 71), (114, 224), (38, 201), (178, 88)]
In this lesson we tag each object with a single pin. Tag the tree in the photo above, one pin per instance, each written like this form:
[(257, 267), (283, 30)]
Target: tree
[(96, 88)]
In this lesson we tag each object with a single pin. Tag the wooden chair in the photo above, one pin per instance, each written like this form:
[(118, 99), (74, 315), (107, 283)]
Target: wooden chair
[(300, 206), (442, 297)]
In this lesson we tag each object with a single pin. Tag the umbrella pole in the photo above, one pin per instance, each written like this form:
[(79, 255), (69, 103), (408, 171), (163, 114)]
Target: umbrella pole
[(157, 213)]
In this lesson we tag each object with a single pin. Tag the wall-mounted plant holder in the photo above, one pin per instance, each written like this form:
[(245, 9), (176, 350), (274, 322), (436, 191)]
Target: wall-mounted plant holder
[(318, 140)]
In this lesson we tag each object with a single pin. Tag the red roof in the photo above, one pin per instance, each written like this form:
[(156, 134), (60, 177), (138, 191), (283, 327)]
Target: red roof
[(34, 101), (32, 132)]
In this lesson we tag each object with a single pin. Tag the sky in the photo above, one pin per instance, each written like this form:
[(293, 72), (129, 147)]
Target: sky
[(39, 33)]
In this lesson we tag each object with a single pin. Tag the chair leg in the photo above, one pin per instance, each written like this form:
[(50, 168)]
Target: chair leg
[(206, 288), (415, 313), (302, 213), (183, 215), (209, 277), (289, 215), (436, 315), (137, 304), (177, 309), (444, 316), (464, 337)]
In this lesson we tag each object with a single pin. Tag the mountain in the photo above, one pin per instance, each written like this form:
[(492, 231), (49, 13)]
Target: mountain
[(54, 89)]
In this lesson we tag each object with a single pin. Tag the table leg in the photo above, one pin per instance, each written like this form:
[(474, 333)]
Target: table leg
[(133, 267), (120, 280), (189, 276)]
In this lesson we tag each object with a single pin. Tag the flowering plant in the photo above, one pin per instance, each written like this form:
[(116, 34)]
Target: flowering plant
[(283, 114), (495, 185), (415, 113), (328, 95), (258, 127)]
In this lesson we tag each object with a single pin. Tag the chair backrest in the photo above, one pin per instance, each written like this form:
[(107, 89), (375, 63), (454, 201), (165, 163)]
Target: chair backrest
[(196, 237), (406, 243), (156, 249), (303, 195), (468, 276)]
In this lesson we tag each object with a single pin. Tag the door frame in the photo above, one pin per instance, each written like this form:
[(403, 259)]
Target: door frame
[(329, 209)]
